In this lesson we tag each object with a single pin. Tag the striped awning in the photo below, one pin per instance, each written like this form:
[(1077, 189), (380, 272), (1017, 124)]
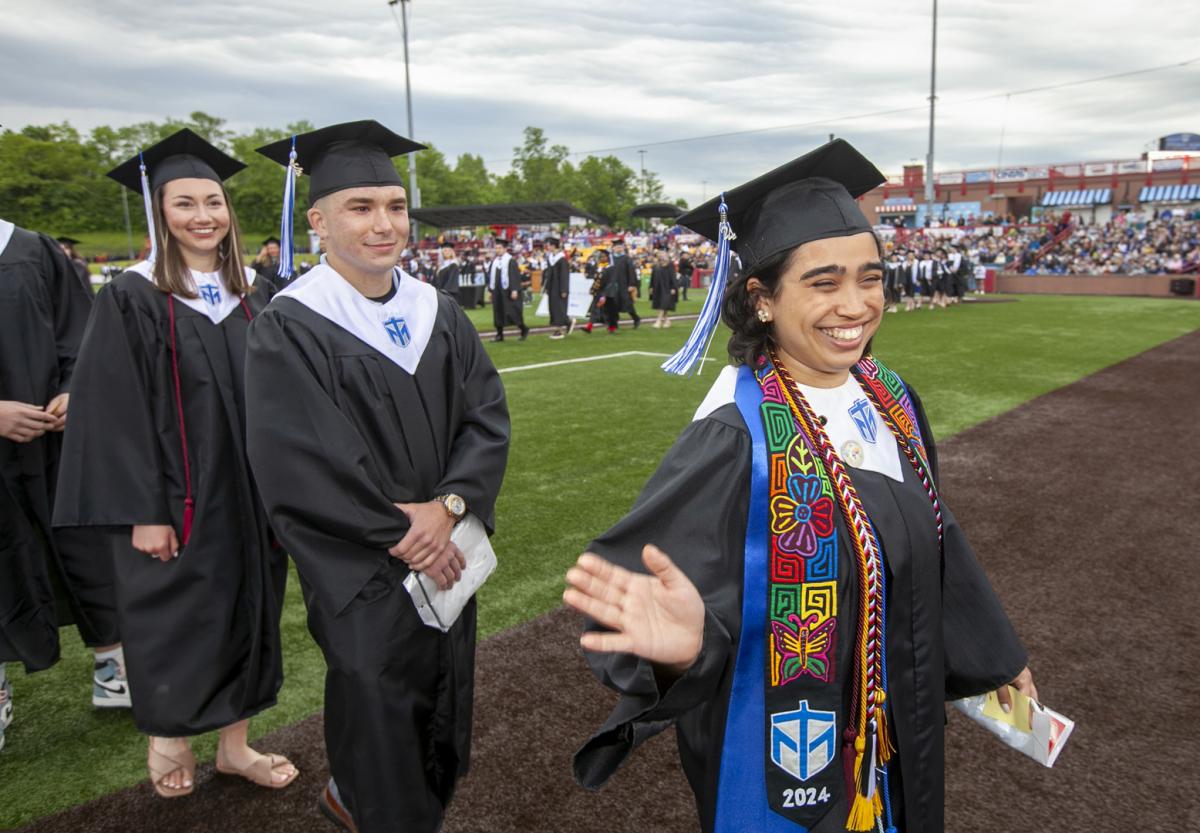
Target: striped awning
[(897, 208), (1169, 193), (1091, 196)]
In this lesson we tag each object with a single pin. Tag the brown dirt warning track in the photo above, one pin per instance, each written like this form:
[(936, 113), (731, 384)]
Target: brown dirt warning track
[(1084, 505)]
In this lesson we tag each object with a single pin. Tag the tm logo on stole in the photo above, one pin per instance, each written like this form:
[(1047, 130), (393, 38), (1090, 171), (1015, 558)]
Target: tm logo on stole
[(864, 419), (211, 293), (803, 741), (397, 331)]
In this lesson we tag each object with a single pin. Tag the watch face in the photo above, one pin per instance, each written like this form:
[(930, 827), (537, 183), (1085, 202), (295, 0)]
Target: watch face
[(456, 505)]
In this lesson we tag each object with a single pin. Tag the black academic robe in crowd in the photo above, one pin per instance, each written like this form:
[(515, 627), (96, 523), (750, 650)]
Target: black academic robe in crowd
[(85, 274), (507, 311), (948, 636), (664, 287), (43, 311), (338, 433), (269, 271), (556, 283), (447, 279), (201, 631)]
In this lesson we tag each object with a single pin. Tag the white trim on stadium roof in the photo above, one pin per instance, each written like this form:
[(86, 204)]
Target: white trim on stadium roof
[(1088, 197), (1169, 193)]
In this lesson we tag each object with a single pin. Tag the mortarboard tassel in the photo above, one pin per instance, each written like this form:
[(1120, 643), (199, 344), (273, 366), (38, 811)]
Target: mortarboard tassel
[(150, 230), (692, 352), (286, 253)]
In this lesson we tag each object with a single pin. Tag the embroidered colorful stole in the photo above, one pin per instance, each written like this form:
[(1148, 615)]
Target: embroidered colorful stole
[(786, 695)]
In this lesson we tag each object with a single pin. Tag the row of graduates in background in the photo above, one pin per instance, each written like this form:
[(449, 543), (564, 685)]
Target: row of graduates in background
[(943, 276)]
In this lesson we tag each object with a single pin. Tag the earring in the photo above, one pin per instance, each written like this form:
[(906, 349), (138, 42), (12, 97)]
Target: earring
[(763, 315)]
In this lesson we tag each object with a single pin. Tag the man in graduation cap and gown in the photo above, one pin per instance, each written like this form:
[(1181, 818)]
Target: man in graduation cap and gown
[(621, 285), (504, 282), (556, 283), (376, 420), (47, 578), (762, 646)]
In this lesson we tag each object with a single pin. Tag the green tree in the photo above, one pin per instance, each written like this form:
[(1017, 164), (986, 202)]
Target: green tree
[(257, 191), (608, 187)]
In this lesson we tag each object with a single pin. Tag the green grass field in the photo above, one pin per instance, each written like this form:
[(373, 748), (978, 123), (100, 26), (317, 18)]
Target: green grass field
[(585, 437)]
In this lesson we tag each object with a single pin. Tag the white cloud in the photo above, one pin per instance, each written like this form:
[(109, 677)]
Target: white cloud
[(598, 75)]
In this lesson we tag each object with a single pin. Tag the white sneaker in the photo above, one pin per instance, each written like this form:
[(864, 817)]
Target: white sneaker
[(110, 689)]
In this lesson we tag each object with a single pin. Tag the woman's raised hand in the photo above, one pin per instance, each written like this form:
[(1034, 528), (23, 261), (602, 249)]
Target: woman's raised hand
[(659, 617)]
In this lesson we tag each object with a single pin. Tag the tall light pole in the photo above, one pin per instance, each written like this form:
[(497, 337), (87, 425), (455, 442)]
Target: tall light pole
[(932, 103), (642, 184), (414, 198)]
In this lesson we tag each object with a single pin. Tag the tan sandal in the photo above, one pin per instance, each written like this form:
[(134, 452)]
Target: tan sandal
[(262, 771), (162, 766)]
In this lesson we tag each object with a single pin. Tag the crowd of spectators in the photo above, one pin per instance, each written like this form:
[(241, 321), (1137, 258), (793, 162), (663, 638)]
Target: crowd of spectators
[(1127, 244), (1121, 247)]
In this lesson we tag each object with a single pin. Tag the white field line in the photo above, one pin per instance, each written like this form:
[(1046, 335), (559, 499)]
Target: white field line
[(622, 355)]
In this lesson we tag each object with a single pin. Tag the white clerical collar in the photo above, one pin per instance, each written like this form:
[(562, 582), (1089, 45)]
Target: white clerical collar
[(214, 300), (399, 328), (857, 432), (6, 233)]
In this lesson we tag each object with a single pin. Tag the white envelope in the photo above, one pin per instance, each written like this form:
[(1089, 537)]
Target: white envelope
[(441, 608), (1042, 736)]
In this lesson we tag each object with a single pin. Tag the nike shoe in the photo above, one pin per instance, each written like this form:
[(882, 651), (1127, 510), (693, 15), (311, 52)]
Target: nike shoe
[(110, 689)]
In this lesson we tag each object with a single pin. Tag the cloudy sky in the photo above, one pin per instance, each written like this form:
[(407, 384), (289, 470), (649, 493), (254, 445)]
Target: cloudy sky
[(625, 75)]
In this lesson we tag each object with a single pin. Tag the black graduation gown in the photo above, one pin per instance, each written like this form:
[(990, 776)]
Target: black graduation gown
[(338, 433), (556, 282), (506, 310), (948, 636), (663, 288), (201, 632), (85, 274), (447, 280), (43, 311)]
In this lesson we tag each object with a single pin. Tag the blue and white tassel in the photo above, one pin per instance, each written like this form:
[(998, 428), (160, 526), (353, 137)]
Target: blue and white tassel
[(693, 351), (149, 209), (286, 254)]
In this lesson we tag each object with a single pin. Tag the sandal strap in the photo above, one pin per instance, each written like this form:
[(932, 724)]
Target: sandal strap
[(161, 764)]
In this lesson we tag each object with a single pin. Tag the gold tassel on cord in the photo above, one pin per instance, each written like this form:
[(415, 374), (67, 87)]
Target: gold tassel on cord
[(862, 809), (886, 750)]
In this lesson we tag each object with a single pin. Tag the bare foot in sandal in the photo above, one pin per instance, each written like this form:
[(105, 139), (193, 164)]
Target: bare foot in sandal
[(235, 757), (172, 767), (267, 770)]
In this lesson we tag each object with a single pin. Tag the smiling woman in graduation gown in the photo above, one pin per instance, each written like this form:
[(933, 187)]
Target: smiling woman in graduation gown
[(766, 712), (157, 439)]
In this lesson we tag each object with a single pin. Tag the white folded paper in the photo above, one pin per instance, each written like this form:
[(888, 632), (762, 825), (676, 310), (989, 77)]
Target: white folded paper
[(441, 608), (1030, 727)]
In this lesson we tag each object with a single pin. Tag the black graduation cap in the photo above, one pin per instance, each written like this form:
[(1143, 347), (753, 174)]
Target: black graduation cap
[(552, 241), (349, 155), (810, 198), (182, 155), (67, 241)]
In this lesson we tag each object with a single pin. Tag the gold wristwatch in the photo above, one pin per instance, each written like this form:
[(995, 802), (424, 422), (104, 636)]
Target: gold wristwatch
[(456, 507)]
